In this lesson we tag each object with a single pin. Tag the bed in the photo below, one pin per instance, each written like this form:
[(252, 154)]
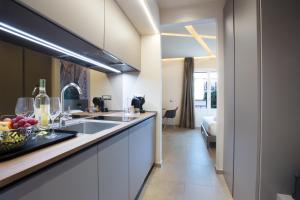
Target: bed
[(208, 130)]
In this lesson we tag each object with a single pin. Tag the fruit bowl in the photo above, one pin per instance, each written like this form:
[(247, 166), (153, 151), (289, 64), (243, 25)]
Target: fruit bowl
[(15, 132), (14, 138)]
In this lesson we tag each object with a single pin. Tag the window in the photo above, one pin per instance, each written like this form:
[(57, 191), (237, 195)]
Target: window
[(200, 89), (213, 89), (205, 89)]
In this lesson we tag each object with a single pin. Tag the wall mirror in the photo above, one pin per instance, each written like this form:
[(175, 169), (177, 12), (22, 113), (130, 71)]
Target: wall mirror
[(21, 69)]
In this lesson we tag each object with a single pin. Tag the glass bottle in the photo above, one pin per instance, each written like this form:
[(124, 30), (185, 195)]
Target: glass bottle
[(42, 106)]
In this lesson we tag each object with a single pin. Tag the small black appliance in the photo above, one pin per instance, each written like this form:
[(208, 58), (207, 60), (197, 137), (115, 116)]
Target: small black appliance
[(137, 102), (99, 104)]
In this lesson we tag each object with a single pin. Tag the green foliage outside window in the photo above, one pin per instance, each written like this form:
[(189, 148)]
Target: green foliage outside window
[(214, 99)]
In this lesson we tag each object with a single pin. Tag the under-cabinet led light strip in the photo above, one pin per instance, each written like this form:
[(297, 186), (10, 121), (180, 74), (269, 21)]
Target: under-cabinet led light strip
[(19, 33)]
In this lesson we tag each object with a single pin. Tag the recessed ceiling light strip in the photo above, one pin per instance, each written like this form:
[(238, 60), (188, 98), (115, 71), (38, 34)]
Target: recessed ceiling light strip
[(197, 58), (199, 39), (19, 33), (149, 15), (212, 37), (176, 34)]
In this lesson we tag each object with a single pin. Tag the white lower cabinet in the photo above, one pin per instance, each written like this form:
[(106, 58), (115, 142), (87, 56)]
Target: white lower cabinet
[(141, 155), (114, 169), (72, 179), (125, 160)]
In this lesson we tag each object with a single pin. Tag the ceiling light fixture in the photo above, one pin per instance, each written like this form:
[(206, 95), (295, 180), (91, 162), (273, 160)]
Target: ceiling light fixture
[(24, 35), (197, 58), (176, 34), (209, 37), (172, 59), (199, 39), (149, 16), (188, 35), (205, 57)]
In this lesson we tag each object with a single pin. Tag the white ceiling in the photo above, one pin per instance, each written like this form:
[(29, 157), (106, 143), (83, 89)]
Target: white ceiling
[(177, 47), (180, 3)]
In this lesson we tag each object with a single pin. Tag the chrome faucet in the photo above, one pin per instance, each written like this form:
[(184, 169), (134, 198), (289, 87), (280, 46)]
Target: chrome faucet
[(62, 95)]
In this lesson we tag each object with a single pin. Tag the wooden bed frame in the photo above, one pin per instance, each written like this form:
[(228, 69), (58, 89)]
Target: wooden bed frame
[(207, 137)]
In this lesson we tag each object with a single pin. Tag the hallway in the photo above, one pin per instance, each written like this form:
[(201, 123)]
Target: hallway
[(188, 170)]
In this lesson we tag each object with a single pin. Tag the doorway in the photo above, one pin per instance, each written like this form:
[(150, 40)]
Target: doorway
[(188, 170)]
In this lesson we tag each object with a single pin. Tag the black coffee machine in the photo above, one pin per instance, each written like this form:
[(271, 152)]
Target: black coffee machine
[(137, 102), (99, 104)]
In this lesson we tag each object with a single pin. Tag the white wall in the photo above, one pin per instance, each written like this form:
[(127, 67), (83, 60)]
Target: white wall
[(173, 86), (103, 84), (209, 10), (205, 65), (149, 83), (172, 71)]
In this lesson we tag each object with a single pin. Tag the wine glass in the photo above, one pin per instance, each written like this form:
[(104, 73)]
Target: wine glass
[(25, 106), (55, 111)]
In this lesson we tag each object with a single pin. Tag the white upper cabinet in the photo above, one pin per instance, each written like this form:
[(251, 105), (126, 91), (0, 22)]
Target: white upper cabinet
[(121, 38), (83, 18), (100, 22)]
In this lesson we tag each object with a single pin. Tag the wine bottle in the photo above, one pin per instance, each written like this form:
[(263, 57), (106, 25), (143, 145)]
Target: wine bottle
[(42, 106)]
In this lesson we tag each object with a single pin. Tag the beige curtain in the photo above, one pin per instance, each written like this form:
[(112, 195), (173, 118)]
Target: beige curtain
[(187, 118)]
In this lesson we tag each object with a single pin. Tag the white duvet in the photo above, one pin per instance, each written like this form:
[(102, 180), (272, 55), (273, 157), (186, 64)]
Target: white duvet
[(210, 124)]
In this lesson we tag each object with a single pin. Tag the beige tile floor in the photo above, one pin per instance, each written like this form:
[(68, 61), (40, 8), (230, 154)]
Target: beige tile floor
[(187, 172)]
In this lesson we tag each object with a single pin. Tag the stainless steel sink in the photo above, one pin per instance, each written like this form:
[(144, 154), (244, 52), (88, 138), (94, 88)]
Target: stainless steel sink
[(89, 127)]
